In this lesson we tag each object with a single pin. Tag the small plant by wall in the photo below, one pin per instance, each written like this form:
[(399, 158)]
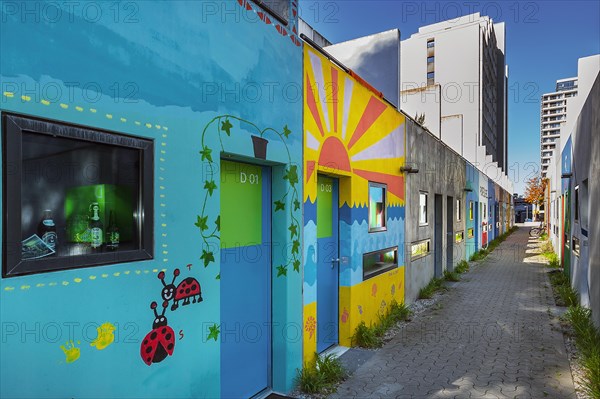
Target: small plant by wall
[(321, 376), (587, 340), (372, 336), (451, 276), (462, 267), (434, 286)]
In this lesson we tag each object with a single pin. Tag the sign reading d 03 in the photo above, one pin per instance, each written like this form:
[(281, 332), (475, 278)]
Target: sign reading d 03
[(241, 204)]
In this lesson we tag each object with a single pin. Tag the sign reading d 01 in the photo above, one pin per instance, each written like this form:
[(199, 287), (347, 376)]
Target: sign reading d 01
[(241, 204)]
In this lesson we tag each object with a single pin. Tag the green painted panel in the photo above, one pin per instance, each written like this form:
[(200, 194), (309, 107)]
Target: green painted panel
[(241, 204), (324, 207)]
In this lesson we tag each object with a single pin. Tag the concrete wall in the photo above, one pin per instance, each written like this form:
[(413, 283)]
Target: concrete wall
[(586, 229), (441, 171)]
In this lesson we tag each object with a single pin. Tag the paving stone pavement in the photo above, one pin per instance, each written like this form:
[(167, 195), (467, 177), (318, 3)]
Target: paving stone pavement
[(492, 337)]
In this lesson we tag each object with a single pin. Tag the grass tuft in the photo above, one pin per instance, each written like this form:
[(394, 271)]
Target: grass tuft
[(462, 267), (587, 340), (321, 375), (451, 276), (427, 292), (366, 336), (372, 336)]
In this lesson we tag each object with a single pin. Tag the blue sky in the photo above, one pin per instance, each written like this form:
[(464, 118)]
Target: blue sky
[(544, 39)]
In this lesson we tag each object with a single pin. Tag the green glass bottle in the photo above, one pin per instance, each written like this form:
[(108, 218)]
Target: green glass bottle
[(96, 228), (112, 233)]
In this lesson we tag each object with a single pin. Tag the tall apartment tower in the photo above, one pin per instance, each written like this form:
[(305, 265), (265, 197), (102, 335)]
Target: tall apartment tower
[(454, 72), (553, 116)]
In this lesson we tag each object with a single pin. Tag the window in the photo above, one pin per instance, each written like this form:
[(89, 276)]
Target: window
[(423, 209), (470, 233), (377, 201), (280, 9), (470, 210), (576, 213), (430, 43), (74, 197), (459, 236), (420, 249), (378, 262), (458, 210), (430, 59), (484, 211)]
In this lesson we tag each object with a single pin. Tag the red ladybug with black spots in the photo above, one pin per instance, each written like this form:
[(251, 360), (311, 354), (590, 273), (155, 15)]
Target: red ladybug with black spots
[(160, 342), (186, 290)]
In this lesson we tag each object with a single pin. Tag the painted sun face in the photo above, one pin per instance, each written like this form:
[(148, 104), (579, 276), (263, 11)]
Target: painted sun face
[(350, 131)]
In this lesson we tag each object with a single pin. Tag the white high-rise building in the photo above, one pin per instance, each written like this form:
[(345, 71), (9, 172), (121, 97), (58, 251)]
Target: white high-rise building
[(553, 117), (454, 72)]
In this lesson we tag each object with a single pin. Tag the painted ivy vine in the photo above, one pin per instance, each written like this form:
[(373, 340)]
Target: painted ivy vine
[(222, 125)]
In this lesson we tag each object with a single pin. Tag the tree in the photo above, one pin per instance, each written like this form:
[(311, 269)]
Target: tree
[(535, 190)]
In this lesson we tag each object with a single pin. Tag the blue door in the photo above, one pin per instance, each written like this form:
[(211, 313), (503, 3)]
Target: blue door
[(245, 279), (327, 263)]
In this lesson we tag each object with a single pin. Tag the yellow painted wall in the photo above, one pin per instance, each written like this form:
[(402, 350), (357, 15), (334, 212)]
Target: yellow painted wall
[(367, 300)]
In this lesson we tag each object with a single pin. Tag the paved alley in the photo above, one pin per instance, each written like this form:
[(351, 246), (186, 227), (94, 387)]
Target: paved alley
[(491, 336)]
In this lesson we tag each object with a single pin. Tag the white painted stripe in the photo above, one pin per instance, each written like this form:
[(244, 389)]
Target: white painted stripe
[(391, 146), (320, 82), (311, 141), (348, 89)]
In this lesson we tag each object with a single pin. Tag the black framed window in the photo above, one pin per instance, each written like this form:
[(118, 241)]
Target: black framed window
[(378, 262), (74, 196), (377, 207)]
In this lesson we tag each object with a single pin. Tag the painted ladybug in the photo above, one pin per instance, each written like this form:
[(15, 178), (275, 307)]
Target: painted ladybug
[(188, 288), (159, 342)]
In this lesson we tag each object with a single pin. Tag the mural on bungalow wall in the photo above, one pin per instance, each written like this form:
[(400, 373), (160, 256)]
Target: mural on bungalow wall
[(160, 341), (220, 125), (350, 132)]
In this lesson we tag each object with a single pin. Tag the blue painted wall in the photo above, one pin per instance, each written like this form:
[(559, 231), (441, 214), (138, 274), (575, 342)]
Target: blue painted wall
[(165, 71)]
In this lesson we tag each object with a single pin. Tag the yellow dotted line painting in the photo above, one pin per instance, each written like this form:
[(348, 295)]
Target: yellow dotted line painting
[(27, 99), (79, 280)]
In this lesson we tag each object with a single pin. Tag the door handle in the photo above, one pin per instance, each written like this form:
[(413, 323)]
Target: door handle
[(333, 261)]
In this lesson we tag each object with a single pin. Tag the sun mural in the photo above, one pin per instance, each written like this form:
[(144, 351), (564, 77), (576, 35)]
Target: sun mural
[(350, 131)]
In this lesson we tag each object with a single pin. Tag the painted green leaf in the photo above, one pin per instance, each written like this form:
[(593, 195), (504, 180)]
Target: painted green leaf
[(206, 154), (293, 230), (213, 332), (286, 131), (218, 223), (210, 186), (296, 205), (207, 257), (297, 265), (292, 175), (279, 205), (201, 223), (281, 271), (226, 127), (295, 246), (218, 276)]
